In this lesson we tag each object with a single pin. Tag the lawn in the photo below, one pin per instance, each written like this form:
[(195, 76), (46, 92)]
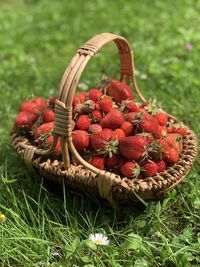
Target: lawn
[(47, 226)]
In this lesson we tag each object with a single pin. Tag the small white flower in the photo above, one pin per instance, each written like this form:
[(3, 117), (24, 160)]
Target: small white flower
[(99, 239)]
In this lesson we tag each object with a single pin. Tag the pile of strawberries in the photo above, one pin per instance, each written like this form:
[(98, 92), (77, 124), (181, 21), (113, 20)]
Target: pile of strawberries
[(111, 130)]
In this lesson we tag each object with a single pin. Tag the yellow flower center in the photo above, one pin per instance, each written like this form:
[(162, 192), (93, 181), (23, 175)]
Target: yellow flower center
[(98, 241), (2, 218)]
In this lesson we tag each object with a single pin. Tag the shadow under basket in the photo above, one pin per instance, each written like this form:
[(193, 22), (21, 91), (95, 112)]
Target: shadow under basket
[(85, 177)]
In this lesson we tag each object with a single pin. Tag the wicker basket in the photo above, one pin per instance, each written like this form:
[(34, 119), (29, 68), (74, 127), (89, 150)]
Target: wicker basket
[(85, 177)]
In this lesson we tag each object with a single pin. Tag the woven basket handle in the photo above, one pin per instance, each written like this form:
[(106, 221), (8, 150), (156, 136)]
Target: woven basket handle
[(69, 82)]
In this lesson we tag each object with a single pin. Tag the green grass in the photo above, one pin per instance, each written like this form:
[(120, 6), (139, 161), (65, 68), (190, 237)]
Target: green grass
[(46, 227)]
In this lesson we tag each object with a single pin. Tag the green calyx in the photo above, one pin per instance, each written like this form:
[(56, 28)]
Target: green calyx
[(153, 107), (135, 171), (154, 150), (110, 148)]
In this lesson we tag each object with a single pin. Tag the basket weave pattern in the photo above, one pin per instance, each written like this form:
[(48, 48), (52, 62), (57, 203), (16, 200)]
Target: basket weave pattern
[(85, 177)]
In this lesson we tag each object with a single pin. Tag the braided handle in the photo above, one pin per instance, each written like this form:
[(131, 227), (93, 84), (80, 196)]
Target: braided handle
[(69, 82)]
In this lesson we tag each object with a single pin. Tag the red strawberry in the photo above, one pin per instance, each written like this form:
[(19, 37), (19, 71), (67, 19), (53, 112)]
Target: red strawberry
[(58, 149), (142, 110), (48, 115), (118, 91), (113, 119), (83, 122), (175, 141), (118, 134), (182, 131), (52, 101), (127, 127), (148, 136), (78, 109), (79, 98), (24, 119), (129, 106), (96, 115), (99, 140), (160, 132), (80, 140), (161, 117), (114, 162), (161, 165), (132, 147), (105, 104), (41, 103), (130, 169), (29, 107), (131, 116), (156, 111), (98, 162), (95, 128), (45, 128), (147, 124), (149, 169), (172, 156), (95, 94), (177, 128)]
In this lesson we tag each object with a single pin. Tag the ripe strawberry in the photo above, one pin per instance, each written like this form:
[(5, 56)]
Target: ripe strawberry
[(129, 106), (79, 98), (133, 147), (182, 131), (177, 128), (95, 94), (78, 109), (161, 165), (24, 119), (58, 149), (118, 134), (156, 111), (147, 123), (148, 136), (96, 115), (114, 162), (43, 129), (130, 169), (52, 101), (41, 103), (131, 116), (127, 127), (48, 115), (149, 168), (83, 122), (175, 141), (118, 91), (80, 140), (159, 133), (143, 111), (161, 117), (30, 107), (98, 162), (105, 104), (172, 156), (99, 140), (113, 119), (95, 128)]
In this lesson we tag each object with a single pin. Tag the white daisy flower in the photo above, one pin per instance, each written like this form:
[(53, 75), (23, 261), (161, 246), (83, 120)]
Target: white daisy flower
[(99, 239)]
